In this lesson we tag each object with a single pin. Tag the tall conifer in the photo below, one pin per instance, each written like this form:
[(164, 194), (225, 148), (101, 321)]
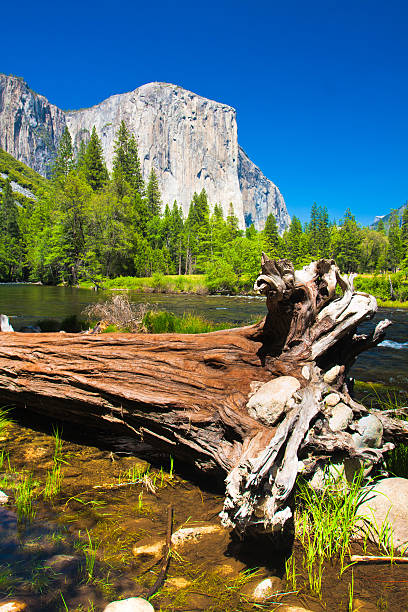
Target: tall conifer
[(96, 174)]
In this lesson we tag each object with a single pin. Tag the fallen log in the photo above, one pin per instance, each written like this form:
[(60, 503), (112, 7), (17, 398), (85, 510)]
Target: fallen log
[(256, 404)]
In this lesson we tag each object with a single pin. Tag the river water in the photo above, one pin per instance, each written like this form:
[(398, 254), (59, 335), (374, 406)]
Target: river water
[(28, 304)]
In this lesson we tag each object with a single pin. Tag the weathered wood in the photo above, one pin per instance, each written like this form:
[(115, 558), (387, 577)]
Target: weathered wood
[(188, 394)]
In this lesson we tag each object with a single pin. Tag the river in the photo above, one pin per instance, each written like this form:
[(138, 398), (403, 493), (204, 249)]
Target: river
[(28, 304)]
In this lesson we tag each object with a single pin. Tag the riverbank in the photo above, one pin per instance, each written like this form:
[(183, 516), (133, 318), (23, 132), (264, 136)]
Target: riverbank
[(198, 284)]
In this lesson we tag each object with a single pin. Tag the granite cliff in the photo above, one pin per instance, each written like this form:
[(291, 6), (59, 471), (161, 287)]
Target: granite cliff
[(190, 141)]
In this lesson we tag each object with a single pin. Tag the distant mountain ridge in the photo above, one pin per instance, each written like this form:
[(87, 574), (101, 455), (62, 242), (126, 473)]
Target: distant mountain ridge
[(190, 141), (25, 182), (386, 218)]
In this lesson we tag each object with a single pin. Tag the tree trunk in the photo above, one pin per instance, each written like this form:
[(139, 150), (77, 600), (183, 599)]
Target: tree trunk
[(203, 397)]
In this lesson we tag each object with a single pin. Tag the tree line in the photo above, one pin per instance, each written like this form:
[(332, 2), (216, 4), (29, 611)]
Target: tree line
[(89, 224)]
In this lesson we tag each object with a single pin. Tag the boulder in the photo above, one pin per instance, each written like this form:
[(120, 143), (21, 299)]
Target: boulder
[(369, 432), (387, 502), (133, 604), (271, 400), (342, 416)]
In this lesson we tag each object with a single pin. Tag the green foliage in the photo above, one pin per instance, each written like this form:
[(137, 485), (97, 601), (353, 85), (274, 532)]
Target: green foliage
[(85, 227), (162, 322), (95, 171)]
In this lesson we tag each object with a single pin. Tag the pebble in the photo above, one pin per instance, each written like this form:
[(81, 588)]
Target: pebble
[(133, 604), (332, 399)]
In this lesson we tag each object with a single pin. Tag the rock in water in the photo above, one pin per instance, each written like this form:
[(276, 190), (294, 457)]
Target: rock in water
[(190, 141), (5, 324), (387, 502), (133, 604)]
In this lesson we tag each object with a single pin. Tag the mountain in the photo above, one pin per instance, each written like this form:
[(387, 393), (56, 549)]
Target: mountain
[(386, 218), (190, 141), (25, 182)]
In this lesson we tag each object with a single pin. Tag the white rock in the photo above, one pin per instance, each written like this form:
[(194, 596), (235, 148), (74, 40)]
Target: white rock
[(342, 415), (3, 498), (331, 375), (387, 502), (133, 604), (269, 402), (12, 606), (5, 325), (267, 588), (332, 399)]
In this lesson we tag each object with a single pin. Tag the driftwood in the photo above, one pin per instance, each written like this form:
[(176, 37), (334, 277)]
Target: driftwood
[(188, 394)]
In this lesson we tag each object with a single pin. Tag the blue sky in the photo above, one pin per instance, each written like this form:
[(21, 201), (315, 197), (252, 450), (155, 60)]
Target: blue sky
[(320, 87)]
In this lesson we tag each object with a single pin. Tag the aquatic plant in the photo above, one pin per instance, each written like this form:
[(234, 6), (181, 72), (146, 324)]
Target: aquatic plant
[(290, 571), (54, 477), (24, 497), (5, 421), (351, 593)]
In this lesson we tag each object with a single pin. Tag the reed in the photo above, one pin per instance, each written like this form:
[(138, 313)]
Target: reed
[(5, 421), (162, 321), (54, 478)]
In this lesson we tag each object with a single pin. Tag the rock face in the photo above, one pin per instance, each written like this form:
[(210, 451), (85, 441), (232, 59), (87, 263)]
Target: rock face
[(190, 141), (30, 127)]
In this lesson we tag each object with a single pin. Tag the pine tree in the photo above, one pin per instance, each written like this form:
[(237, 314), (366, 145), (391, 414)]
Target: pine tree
[(404, 232), (232, 224), (348, 244), (64, 161), (395, 244), (272, 241), (294, 243), (381, 227), (153, 196), (126, 163), (95, 171)]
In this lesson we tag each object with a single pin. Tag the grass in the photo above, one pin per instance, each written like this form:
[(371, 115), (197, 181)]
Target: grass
[(162, 321), (158, 283), (391, 303), (24, 498), (54, 477), (5, 421), (326, 523)]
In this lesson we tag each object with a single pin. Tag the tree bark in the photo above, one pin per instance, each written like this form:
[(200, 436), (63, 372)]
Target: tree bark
[(188, 394)]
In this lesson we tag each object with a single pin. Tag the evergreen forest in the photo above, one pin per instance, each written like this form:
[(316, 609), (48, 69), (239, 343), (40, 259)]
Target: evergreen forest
[(86, 224)]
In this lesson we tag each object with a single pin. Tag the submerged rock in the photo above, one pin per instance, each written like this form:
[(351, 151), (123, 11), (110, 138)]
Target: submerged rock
[(265, 589), (64, 564), (12, 606), (270, 401), (387, 502), (154, 548), (133, 604)]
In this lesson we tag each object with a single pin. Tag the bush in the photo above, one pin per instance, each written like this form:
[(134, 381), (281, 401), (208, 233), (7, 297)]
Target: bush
[(220, 276)]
